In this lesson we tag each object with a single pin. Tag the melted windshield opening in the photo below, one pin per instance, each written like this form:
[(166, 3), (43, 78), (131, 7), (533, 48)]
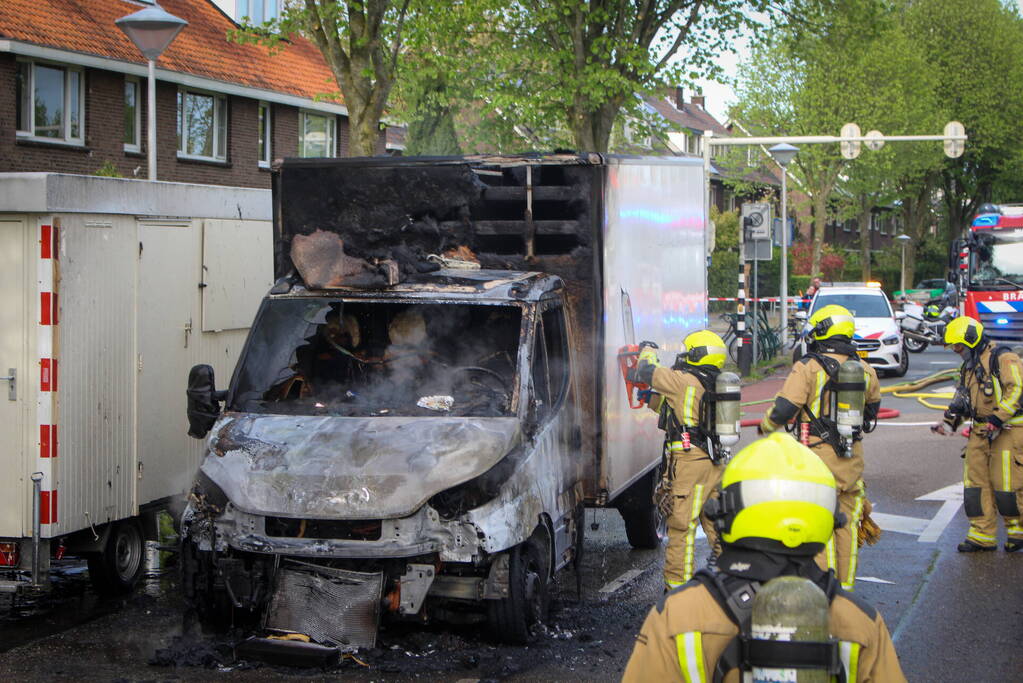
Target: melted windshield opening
[(329, 357)]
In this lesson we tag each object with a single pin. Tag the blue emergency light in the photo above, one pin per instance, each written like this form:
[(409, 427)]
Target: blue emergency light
[(1002, 321), (986, 220)]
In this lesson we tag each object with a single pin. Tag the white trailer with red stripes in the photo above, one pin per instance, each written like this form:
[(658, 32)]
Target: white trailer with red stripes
[(110, 290)]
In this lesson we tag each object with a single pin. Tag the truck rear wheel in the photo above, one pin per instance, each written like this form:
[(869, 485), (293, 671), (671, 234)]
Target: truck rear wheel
[(117, 568), (512, 618), (645, 526)]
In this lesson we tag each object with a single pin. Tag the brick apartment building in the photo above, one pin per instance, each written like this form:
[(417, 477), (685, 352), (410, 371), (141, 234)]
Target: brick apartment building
[(73, 96)]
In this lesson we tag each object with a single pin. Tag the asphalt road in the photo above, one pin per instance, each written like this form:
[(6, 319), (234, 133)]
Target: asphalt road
[(954, 617)]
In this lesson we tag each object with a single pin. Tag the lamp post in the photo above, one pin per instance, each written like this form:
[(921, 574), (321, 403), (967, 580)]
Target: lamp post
[(152, 30), (903, 239), (784, 153)]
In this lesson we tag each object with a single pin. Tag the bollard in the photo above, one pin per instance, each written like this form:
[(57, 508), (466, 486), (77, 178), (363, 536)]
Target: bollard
[(744, 354), (790, 608), (37, 485)]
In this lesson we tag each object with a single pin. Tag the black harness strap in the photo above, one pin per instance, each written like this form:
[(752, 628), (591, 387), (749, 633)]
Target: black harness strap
[(735, 596)]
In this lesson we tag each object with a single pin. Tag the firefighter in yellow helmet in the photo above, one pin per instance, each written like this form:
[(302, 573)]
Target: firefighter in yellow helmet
[(989, 394), (777, 509), (694, 460), (810, 396)]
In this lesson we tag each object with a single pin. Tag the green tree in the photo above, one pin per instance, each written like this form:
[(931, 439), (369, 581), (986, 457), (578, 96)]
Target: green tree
[(361, 41), (976, 50), (572, 67)]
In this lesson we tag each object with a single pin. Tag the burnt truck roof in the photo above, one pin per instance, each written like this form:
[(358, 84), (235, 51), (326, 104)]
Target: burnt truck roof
[(459, 284), (381, 220)]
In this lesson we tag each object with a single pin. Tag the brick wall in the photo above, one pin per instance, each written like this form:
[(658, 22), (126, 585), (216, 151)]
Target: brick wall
[(104, 135)]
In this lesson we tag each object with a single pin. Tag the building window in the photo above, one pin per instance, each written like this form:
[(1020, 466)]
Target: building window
[(259, 11), (264, 135), (132, 115), (316, 135), (51, 102), (202, 126)]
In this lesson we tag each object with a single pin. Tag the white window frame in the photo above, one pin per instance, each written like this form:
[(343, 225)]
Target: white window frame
[(246, 10), (263, 109), (66, 139), (137, 147), (219, 109), (332, 133)]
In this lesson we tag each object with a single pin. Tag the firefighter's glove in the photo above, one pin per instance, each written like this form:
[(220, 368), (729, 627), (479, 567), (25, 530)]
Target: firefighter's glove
[(765, 427), (649, 356), (943, 428), (994, 428)]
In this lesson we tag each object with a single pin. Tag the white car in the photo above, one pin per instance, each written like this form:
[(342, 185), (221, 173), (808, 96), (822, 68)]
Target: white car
[(878, 337)]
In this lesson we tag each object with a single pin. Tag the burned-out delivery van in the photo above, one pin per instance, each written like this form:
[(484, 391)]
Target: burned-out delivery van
[(431, 393)]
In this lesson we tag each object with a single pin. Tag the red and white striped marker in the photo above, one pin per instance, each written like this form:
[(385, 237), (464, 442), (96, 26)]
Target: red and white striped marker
[(46, 402)]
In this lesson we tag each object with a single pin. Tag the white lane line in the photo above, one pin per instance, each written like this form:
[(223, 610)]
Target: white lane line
[(945, 515), (900, 524), (874, 579), (945, 362), (615, 584), (905, 424)]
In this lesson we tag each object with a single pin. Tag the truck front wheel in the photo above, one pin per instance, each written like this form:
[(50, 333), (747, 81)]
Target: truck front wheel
[(511, 618), (645, 526)]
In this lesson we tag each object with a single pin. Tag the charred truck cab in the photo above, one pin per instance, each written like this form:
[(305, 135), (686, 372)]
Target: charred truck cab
[(430, 395)]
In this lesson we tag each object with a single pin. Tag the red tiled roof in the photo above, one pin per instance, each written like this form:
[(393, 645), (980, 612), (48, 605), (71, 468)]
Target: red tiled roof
[(201, 49), (689, 116)]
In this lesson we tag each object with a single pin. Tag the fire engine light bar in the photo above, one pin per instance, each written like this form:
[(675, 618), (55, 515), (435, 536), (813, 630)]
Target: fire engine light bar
[(986, 220)]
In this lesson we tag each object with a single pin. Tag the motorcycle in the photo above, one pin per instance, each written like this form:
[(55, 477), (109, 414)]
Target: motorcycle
[(922, 326)]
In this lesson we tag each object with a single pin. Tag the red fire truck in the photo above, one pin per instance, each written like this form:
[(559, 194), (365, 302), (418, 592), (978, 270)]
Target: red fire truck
[(989, 271)]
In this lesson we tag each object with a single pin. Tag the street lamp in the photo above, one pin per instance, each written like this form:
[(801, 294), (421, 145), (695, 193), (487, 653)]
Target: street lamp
[(784, 153), (903, 239), (152, 30)]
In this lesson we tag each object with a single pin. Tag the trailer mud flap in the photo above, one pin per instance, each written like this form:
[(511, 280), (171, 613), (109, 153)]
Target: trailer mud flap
[(333, 606)]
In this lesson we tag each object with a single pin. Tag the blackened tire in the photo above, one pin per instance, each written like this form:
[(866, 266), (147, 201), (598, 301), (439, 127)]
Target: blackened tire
[(645, 526), (117, 568), (512, 619), (211, 606)]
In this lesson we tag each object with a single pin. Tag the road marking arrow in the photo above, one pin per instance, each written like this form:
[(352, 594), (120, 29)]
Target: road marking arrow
[(900, 524), (951, 498)]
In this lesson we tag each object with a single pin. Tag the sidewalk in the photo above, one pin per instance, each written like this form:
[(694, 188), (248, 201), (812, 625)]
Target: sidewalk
[(763, 389)]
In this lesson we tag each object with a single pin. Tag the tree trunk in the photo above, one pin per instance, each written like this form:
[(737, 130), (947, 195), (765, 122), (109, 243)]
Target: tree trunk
[(863, 221), (591, 128)]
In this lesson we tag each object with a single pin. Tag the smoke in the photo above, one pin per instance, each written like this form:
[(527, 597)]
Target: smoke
[(402, 352)]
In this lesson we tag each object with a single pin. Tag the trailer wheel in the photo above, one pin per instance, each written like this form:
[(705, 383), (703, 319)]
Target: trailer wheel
[(645, 526), (512, 618), (117, 568)]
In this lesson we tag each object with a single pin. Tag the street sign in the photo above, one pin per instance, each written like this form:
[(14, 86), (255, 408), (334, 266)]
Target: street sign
[(954, 148), (756, 250), (776, 232), (876, 141), (756, 220), (850, 148)]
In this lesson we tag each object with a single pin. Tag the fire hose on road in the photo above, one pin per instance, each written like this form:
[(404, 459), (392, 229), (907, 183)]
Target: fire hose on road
[(901, 390)]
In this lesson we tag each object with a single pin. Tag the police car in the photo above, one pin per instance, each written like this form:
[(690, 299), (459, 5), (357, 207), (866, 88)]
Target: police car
[(878, 336)]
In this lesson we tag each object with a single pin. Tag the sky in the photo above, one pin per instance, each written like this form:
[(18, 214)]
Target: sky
[(719, 95)]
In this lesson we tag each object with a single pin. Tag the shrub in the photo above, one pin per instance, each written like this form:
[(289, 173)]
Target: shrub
[(108, 170)]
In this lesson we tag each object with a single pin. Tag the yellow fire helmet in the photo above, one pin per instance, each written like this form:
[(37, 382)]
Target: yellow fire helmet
[(832, 321), (777, 496), (964, 330), (705, 348)]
